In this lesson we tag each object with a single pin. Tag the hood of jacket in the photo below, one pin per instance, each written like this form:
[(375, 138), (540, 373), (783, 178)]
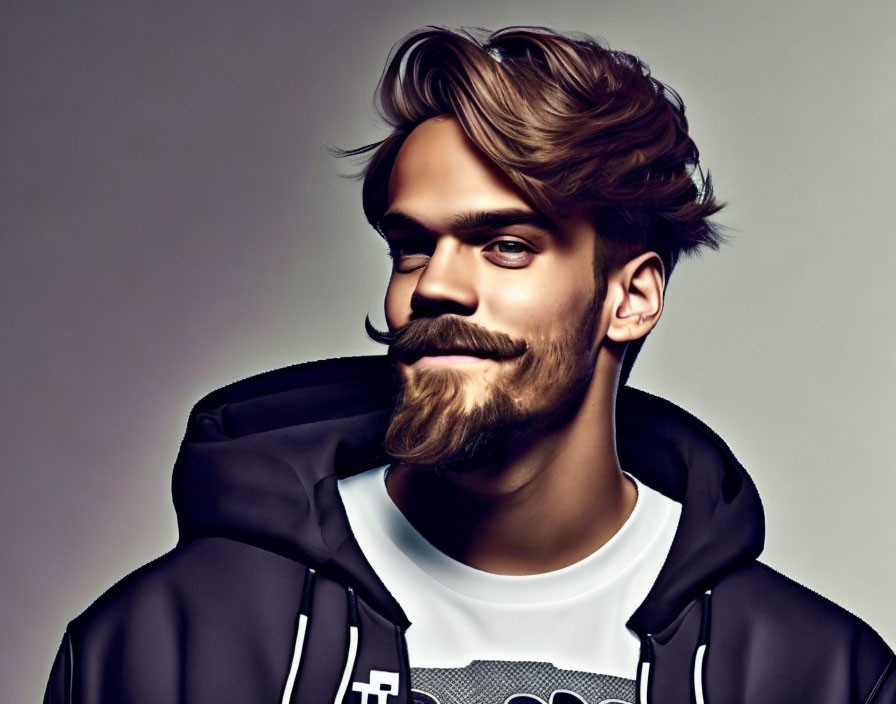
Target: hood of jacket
[(261, 457)]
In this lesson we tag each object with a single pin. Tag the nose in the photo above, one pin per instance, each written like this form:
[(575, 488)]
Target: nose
[(447, 283)]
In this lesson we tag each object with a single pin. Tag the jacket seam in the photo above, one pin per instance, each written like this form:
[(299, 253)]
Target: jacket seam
[(884, 675)]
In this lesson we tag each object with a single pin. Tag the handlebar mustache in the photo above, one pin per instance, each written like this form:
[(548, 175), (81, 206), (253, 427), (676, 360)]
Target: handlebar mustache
[(445, 334)]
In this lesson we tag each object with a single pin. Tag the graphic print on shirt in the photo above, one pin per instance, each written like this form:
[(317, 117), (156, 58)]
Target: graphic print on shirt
[(516, 682), (382, 685)]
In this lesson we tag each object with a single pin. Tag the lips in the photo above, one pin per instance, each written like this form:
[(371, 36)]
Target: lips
[(449, 359), (458, 355)]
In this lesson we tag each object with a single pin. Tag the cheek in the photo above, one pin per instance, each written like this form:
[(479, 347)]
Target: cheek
[(544, 309)]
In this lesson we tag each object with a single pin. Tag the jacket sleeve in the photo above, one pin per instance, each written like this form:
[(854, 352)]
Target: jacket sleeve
[(59, 685)]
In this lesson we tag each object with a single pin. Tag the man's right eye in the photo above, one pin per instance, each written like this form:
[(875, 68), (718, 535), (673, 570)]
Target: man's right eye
[(405, 262), (408, 254)]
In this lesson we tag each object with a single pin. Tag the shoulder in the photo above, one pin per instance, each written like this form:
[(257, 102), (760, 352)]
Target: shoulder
[(768, 622), (189, 580), (777, 601), (225, 606), (197, 592)]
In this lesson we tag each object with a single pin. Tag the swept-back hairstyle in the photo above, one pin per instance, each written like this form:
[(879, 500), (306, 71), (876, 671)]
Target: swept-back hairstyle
[(574, 125)]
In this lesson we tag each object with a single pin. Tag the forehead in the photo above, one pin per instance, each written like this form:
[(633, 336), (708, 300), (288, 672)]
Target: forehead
[(439, 172)]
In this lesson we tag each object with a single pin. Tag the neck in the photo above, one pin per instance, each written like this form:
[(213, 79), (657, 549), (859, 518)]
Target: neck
[(555, 502)]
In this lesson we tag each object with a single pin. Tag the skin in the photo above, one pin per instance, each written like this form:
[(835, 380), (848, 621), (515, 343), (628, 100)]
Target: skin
[(562, 494)]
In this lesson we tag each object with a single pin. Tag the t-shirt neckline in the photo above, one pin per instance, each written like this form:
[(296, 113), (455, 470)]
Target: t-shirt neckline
[(611, 561)]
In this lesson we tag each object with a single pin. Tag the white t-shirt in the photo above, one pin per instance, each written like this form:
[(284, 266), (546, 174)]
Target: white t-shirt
[(479, 636)]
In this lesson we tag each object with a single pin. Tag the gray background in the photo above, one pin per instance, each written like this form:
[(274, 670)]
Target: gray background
[(171, 221)]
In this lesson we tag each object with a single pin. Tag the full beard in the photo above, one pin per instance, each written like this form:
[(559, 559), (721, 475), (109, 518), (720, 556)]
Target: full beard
[(435, 426)]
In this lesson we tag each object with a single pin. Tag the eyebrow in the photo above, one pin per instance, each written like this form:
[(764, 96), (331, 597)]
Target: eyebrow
[(471, 221)]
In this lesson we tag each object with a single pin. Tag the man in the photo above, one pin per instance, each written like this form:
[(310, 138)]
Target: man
[(483, 515)]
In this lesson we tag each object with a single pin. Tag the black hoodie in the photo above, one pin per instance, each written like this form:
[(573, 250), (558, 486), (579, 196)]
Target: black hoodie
[(268, 598)]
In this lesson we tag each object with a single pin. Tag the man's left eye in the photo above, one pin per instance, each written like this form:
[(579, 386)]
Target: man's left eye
[(511, 254), (508, 247)]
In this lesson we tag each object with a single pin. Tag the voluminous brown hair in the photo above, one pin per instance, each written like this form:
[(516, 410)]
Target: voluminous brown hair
[(574, 125)]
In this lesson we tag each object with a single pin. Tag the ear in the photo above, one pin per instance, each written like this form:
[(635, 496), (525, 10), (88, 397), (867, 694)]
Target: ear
[(635, 297)]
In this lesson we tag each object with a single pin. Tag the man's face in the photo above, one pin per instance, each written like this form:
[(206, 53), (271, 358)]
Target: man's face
[(495, 304)]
